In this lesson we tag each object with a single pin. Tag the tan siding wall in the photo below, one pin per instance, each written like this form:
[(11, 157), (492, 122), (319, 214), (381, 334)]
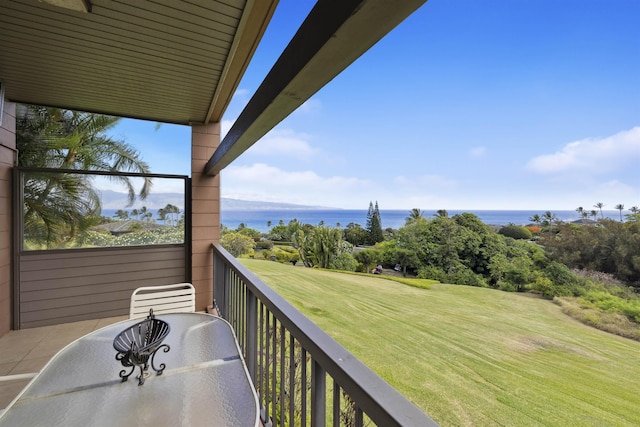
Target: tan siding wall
[(7, 161), (206, 211), (68, 286)]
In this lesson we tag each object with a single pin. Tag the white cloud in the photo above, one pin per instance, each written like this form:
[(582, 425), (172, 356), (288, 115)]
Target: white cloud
[(309, 107), (478, 151), (262, 182), (268, 183), (242, 93), (284, 143), (159, 185), (225, 125), (591, 155)]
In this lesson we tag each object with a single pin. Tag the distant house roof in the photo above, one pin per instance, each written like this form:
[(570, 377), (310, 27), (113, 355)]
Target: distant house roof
[(121, 227)]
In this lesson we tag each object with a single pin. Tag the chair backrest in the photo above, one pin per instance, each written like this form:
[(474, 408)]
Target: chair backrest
[(180, 297)]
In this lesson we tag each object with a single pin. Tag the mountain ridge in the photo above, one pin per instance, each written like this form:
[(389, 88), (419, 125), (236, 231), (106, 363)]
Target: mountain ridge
[(238, 204), (117, 200)]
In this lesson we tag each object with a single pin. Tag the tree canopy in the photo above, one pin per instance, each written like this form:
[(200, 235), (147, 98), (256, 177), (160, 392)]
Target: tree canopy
[(59, 205), (374, 224)]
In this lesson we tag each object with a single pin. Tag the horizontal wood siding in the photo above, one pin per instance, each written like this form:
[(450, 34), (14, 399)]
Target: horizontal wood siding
[(68, 286)]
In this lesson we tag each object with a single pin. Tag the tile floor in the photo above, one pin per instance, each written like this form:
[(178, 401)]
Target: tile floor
[(28, 350)]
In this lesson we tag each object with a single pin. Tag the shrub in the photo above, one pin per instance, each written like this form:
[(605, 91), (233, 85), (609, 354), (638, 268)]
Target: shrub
[(236, 243), (288, 249), (504, 285), (565, 282), (548, 289), (136, 226), (614, 323), (463, 276), (345, 262), (282, 256), (516, 232), (468, 278), (609, 303), (433, 273), (149, 237), (264, 244), (534, 229)]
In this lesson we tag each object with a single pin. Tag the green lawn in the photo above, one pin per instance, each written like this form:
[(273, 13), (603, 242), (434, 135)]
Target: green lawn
[(471, 356)]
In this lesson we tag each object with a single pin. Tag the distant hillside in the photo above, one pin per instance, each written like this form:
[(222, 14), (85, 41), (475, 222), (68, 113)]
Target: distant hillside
[(250, 205), (116, 200)]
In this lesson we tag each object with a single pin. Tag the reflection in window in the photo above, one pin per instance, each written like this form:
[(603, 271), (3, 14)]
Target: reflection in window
[(79, 210)]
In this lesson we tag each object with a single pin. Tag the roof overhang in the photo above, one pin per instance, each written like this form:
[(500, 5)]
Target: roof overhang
[(162, 60), (332, 37)]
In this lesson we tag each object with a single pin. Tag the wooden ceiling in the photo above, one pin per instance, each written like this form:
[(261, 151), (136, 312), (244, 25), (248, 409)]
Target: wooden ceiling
[(173, 61)]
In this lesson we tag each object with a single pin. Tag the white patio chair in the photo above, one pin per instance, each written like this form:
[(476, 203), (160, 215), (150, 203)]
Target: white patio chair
[(177, 298)]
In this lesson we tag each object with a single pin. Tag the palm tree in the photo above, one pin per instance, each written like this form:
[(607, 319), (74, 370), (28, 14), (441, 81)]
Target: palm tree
[(144, 213), (620, 207), (58, 206), (634, 209), (599, 205), (175, 213), (414, 214), (536, 219), (162, 215), (594, 214), (171, 211), (580, 211), (549, 218), (441, 213), (121, 214)]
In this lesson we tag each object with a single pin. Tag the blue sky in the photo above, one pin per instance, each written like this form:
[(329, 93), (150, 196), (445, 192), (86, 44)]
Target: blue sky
[(498, 104)]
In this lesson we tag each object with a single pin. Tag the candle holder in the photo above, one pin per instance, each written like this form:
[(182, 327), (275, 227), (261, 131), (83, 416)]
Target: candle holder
[(138, 344)]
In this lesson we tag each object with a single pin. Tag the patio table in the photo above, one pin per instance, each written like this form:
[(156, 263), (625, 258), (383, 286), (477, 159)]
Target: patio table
[(205, 382)]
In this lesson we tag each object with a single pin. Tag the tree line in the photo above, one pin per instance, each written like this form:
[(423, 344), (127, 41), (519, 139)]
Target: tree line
[(597, 265), (169, 214)]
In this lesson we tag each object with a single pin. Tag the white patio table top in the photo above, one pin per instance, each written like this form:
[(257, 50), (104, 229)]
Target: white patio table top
[(205, 382)]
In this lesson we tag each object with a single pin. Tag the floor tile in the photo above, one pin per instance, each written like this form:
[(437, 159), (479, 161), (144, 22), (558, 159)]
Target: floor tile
[(30, 365), (9, 390), (5, 368)]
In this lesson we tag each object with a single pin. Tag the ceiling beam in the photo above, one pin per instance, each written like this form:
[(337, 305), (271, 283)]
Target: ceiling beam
[(253, 24), (332, 37)]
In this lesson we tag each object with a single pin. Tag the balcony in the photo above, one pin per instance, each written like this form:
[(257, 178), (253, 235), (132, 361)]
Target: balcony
[(188, 76), (302, 376)]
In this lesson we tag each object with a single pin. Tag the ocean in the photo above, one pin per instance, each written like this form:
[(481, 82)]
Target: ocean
[(258, 219)]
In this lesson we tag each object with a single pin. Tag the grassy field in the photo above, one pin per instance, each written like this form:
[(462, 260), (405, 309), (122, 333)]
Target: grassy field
[(471, 356)]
